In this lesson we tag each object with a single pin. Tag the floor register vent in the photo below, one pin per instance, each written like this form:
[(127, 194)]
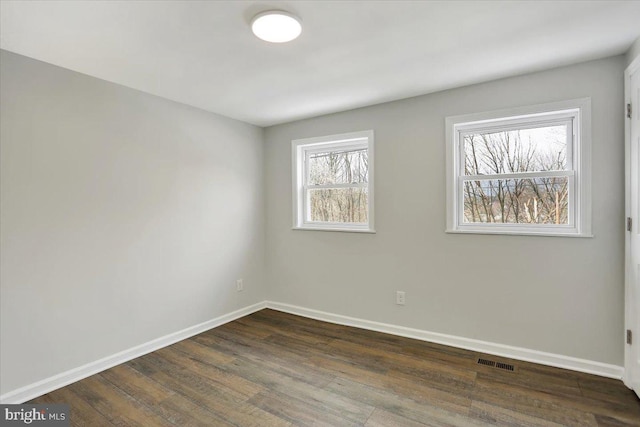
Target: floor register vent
[(499, 365)]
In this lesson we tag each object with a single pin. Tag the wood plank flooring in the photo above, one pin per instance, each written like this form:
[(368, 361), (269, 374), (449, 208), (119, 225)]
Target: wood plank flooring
[(276, 369)]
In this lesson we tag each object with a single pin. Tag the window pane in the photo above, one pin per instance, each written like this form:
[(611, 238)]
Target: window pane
[(338, 205), (523, 150), (339, 167), (517, 201)]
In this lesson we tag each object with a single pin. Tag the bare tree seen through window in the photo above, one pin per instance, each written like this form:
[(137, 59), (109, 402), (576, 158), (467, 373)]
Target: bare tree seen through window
[(347, 202), (515, 200)]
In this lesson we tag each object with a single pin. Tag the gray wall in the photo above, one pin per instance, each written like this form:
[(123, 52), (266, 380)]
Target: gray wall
[(634, 51), (553, 294), (124, 217)]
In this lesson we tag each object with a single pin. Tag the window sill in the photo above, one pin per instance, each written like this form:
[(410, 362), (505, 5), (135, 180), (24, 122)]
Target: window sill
[(521, 233), (346, 230)]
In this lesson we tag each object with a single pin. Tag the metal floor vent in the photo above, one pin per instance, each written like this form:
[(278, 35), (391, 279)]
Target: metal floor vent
[(499, 365), (505, 366), (486, 362)]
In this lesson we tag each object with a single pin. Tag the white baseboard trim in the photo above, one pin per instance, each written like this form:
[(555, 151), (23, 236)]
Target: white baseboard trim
[(47, 385), (518, 353)]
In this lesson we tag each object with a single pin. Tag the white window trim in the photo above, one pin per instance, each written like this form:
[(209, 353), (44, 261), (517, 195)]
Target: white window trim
[(578, 154), (324, 143)]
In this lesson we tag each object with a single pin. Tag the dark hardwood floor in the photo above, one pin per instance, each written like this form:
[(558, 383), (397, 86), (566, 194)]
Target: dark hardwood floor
[(276, 369)]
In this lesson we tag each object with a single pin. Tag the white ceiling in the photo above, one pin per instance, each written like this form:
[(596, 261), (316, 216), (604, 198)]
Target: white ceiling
[(350, 54)]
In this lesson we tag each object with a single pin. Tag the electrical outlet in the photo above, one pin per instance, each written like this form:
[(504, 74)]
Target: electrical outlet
[(400, 297), (239, 285)]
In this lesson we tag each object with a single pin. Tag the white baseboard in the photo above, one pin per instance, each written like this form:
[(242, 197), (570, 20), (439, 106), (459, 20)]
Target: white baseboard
[(47, 385), (518, 353)]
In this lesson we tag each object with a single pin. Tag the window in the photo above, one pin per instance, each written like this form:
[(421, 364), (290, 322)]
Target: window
[(333, 182), (521, 171)]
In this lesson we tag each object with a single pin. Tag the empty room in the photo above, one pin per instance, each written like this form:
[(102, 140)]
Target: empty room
[(319, 213)]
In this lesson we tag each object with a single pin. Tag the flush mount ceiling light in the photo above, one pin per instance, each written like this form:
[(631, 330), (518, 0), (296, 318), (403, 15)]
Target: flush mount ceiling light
[(276, 26)]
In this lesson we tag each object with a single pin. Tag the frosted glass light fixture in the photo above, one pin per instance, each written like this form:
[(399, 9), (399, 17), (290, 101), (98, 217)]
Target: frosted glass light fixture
[(276, 26)]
